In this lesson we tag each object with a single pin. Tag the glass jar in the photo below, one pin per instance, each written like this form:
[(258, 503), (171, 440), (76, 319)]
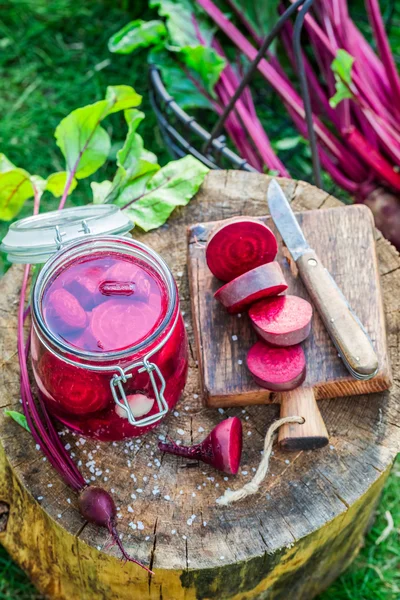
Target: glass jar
[(109, 394)]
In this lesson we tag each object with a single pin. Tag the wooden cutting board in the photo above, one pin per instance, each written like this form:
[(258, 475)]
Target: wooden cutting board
[(344, 239)]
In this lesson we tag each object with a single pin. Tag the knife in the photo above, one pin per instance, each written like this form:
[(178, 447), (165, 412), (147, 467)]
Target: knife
[(345, 329)]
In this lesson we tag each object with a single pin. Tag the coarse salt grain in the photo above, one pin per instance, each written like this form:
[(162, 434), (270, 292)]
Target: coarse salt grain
[(140, 525), (173, 532), (234, 338), (167, 497), (130, 509), (176, 414), (180, 432), (200, 429), (221, 411), (240, 362)]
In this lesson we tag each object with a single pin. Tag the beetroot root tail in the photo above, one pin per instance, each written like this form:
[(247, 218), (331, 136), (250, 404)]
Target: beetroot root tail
[(113, 531)]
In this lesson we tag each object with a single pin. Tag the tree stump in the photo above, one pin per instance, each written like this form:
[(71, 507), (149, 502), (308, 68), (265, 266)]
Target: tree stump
[(291, 540)]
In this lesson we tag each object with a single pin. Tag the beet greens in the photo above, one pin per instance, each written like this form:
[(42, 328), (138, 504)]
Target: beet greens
[(355, 90)]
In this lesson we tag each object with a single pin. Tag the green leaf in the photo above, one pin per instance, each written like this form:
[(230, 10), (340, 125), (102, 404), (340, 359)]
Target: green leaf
[(18, 418), (177, 82), (83, 142), (100, 191), (186, 27), (56, 183), (81, 139), (342, 67), (288, 143), (121, 97), (133, 161), (173, 185), (137, 34), (15, 188), (342, 93), (5, 164), (180, 17), (205, 62), (261, 15)]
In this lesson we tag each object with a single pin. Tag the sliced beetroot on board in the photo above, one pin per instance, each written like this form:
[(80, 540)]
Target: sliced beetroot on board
[(266, 280), (127, 272), (64, 312), (277, 369), (84, 285), (117, 324), (283, 320), (238, 246)]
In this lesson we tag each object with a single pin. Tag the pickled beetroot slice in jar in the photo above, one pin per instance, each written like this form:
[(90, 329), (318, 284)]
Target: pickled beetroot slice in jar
[(84, 284), (118, 324), (80, 392), (64, 312), (128, 272)]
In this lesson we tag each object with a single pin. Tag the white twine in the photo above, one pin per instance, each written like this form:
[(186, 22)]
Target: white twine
[(253, 486)]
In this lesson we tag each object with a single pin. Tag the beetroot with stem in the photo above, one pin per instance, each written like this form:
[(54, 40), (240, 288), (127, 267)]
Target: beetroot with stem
[(98, 507), (277, 369), (239, 245), (282, 321), (263, 281), (222, 448)]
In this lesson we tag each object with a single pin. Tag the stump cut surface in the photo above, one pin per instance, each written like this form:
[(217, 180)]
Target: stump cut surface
[(297, 534)]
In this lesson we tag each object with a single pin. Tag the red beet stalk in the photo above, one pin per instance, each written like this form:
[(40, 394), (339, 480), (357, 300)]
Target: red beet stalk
[(96, 505), (222, 448)]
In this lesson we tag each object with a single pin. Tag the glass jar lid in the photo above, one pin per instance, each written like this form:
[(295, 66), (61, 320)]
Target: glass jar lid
[(35, 239)]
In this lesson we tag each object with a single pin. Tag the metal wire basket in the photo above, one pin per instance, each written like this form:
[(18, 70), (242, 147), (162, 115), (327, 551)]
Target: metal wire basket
[(183, 134)]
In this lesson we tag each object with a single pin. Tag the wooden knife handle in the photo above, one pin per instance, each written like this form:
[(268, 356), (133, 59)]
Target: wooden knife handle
[(343, 327), (309, 435)]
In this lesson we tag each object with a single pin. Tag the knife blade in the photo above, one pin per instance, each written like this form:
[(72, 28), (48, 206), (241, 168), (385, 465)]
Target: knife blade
[(345, 329)]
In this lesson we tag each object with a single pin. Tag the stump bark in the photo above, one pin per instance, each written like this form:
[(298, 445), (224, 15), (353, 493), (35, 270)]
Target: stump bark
[(290, 541)]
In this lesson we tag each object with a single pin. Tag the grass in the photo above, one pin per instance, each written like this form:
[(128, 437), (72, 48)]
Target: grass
[(54, 58)]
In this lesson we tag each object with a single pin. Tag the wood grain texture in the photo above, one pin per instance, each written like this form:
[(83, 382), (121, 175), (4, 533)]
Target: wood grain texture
[(294, 538), (344, 239), (311, 434)]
